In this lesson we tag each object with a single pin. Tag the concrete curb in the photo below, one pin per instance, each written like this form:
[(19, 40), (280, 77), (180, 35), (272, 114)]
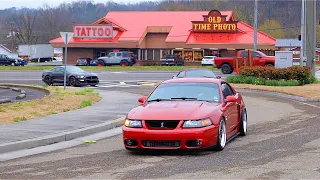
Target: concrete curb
[(281, 95), (25, 86), (55, 138)]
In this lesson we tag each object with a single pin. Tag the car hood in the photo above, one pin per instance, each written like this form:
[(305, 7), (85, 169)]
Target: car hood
[(85, 74), (173, 110)]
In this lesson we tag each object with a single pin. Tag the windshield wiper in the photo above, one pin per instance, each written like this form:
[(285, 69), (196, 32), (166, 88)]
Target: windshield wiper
[(158, 100), (184, 98)]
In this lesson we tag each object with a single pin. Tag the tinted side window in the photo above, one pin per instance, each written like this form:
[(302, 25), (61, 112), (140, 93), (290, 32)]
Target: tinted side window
[(244, 54), (226, 90), (255, 54), (112, 54), (59, 69), (125, 54)]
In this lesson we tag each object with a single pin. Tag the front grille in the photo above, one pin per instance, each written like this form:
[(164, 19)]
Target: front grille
[(149, 143), (166, 124), (91, 79)]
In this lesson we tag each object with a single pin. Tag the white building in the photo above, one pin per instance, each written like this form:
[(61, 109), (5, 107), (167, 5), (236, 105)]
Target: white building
[(6, 51)]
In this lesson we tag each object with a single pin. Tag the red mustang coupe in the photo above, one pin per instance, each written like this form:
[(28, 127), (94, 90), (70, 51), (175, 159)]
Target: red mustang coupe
[(186, 113)]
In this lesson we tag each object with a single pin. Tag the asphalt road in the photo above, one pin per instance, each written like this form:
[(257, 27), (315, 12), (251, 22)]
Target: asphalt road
[(283, 141), (106, 77)]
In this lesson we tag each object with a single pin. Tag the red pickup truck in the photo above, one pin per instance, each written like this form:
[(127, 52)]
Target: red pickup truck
[(259, 59)]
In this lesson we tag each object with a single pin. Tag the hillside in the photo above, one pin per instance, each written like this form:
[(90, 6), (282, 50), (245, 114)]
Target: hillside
[(280, 19)]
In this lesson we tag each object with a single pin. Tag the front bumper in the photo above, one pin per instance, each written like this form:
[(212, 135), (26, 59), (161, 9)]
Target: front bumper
[(207, 136), (168, 63), (84, 81)]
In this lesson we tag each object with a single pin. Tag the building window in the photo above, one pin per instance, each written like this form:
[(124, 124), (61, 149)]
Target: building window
[(150, 54), (187, 55), (198, 55), (143, 54), (165, 52), (157, 54)]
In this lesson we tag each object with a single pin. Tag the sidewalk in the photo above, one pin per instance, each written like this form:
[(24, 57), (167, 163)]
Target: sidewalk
[(81, 122)]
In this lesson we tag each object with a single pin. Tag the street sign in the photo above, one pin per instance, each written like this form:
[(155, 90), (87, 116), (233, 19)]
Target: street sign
[(66, 36)]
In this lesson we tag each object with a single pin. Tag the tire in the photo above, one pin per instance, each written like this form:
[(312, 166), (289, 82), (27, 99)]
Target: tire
[(123, 63), (100, 63), (48, 80), (13, 64), (269, 64), (93, 85), (226, 69), (72, 81), (243, 123), (222, 136)]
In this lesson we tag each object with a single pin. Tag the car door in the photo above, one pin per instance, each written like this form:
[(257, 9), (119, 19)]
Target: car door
[(58, 74), (231, 110), (118, 58), (257, 60), (2, 60), (111, 58)]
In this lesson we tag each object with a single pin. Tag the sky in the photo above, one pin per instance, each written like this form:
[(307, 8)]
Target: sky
[(39, 3)]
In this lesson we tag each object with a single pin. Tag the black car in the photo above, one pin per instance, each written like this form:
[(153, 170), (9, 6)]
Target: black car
[(83, 61), (75, 76), (172, 59), (7, 61), (196, 72)]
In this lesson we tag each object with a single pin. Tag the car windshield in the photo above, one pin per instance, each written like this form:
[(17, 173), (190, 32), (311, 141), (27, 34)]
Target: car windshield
[(208, 57), (74, 69), (200, 73), (199, 91)]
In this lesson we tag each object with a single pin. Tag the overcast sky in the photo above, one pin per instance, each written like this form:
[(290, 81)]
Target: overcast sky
[(39, 3)]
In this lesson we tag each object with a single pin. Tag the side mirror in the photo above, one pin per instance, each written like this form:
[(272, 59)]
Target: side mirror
[(142, 99), (230, 99), (218, 77), (173, 77)]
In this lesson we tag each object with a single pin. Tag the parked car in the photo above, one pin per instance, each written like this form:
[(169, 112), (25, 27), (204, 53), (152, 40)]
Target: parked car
[(171, 59), (43, 59), (19, 61), (75, 76), (122, 58), (186, 113), (83, 61), (94, 62), (57, 59), (259, 59), (196, 72), (207, 60), (5, 60)]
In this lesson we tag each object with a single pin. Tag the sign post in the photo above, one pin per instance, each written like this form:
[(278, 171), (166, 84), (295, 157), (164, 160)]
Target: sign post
[(66, 36)]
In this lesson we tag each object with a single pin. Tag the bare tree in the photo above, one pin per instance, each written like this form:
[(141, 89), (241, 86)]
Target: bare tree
[(52, 21), (26, 21)]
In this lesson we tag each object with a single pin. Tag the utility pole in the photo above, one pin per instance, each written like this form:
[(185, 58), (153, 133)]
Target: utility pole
[(255, 24), (310, 33), (303, 36)]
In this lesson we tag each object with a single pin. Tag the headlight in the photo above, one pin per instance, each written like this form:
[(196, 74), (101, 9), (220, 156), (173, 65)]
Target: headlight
[(80, 76), (133, 123), (197, 123)]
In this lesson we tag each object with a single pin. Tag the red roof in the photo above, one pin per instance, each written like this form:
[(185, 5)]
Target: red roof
[(135, 24)]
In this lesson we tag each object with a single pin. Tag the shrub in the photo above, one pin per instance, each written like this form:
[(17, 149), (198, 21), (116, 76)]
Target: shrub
[(298, 73), (261, 81), (85, 103), (19, 119)]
